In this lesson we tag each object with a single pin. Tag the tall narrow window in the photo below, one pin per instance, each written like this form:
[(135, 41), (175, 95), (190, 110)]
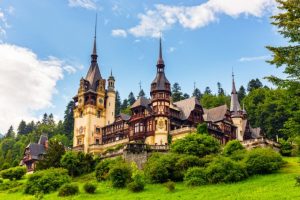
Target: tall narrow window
[(98, 113)]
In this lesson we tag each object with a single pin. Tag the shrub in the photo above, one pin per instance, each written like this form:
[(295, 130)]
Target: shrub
[(10, 185), (188, 161), (262, 161), (137, 185), (285, 148), (90, 188), (14, 173), (225, 170), (161, 167), (5, 166), (102, 169), (170, 185), (120, 175), (231, 147), (46, 180), (195, 176), (297, 178), (68, 189), (1, 180), (196, 144)]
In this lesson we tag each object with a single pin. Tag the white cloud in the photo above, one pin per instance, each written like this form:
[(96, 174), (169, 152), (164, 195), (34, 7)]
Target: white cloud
[(27, 83), (70, 69), (119, 33), (163, 17), (87, 4), (255, 58), (172, 49)]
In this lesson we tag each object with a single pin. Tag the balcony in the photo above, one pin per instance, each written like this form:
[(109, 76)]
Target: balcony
[(183, 130)]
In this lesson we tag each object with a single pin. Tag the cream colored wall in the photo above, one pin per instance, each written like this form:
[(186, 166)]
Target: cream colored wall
[(239, 123), (110, 107), (161, 131)]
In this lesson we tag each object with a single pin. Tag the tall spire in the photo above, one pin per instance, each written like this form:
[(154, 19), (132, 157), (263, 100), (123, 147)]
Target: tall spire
[(94, 53), (234, 104), (160, 60)]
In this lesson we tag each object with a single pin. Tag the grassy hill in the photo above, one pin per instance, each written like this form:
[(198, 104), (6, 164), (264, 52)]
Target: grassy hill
[(280, 185)]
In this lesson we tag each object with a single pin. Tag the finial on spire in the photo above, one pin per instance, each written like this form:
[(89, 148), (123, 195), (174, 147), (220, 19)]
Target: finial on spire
[(160, 57), (140, 84), (94, 53), (111, 72)]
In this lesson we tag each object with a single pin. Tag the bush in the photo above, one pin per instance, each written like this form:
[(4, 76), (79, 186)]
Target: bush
[(68, 189), (120, 175), (10, 185), (14, 173), (231, 147), (297, 178), (196, 144), (102, 169), (137, 185), (1, 180), (285, 148), (263, 161), (161, 168), (46, 181), (195, 176), (225, 170), (188, 161), (170, 185), (90, 188)]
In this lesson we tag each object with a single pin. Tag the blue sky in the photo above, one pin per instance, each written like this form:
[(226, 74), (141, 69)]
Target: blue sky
[(202, 42)]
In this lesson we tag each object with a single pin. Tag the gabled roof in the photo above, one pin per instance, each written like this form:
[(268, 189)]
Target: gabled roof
[(124, 117), (215, 114), (141, 101), (36, 150), (186, 106), (93, 75)]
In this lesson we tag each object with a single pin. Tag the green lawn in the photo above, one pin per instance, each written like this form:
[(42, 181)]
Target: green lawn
[(280, 185)]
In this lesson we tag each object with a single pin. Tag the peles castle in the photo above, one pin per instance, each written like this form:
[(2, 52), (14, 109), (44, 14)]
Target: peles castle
[(154, 121)]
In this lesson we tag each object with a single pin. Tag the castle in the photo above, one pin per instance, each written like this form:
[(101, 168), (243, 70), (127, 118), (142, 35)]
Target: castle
[(154, 121)]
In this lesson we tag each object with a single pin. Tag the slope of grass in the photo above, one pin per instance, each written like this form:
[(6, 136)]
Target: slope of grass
[(280, 185)]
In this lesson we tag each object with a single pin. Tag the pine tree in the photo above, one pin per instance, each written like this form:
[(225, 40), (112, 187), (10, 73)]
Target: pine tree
[(131, 98), (185, 96), (68, 123), (45, 119), (51, 119), (197, 93), (141, 93), (241, 93), (118, 104), (176, 92), (254, 84), (207, 90), (30, 127), (22, 128), (287, 21), (220, 89), (10, 133), (124, 104)]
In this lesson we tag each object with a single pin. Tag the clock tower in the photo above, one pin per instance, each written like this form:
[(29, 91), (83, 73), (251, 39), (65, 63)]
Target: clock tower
[(160, 103)]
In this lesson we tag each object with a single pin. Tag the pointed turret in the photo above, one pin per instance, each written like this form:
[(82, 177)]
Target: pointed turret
[(160, 83), (93, 75), (234, 104)]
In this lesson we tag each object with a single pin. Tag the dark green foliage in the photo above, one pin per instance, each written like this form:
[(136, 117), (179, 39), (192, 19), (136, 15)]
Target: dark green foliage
[(262, 161), (46, 180), (196, 144), (195, 176), (5, 166), (22, 128), (285, 148), (211, 101), (68, 190), (170, 185), (254, 84), (225, 170), (68, 124), (90, 188), (137, 185), (141, 93), (188, 161), (1, 180), (162, 167), (15, 173), (10, 133), (220, 89), (202, 128), (120, 175), (10, 185), (197, 93), (131, 99), (102, 169), (232, 147), (118, 104), (241, 93), (176, 92), (297, 178), (53, 155)]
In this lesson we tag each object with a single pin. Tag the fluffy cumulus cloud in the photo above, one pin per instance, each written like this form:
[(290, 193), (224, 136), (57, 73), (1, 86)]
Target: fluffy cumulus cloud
[(87, 4), (27, 83), (119, 33), (163, 17)]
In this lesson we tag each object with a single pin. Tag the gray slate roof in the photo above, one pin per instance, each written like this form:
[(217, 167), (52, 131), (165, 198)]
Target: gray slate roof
[(186, 106), (141, 101), (36, 150), (215, 114)]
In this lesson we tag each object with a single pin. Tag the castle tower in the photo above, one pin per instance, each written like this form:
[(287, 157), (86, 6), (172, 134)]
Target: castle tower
[(237, 114), (89, 111), (160, 103), (110, 100)]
